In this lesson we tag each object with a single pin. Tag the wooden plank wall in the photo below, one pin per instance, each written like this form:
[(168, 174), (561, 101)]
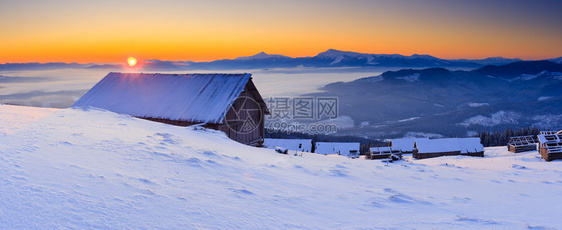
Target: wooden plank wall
[(256, 113)]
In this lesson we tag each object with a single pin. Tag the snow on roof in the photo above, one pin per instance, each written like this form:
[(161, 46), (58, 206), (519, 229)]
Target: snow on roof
[(304, 145), (187, 97), (550, 138), (470, 145), (383, 150), (541, 138), (342, 148), (406, 144), (464, 145)]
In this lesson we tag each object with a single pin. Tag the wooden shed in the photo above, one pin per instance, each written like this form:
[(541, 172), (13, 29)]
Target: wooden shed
[(550, 145), (427, 148), (381, 152), (227, 102), (521, 144)]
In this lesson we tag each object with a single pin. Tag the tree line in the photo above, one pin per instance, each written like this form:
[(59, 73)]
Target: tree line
[(501, 138)]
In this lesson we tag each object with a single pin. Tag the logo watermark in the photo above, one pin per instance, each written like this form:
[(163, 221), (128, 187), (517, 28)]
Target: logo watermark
[(310, 115), (244, 116), (296, 127)]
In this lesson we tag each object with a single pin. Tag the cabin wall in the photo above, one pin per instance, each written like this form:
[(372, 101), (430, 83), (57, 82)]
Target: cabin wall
[(234, 129), (521, 148), (418, 155), (549, 156)]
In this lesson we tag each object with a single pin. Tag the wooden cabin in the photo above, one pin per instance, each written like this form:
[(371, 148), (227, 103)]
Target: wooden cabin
[(550, 145), (428, 148), (350, 149), (521, 144), (302, 145), (405, 145), (226, 102), (381, 152)]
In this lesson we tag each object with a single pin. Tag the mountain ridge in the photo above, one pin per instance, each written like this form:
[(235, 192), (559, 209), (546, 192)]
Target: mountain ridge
[(325, 59)]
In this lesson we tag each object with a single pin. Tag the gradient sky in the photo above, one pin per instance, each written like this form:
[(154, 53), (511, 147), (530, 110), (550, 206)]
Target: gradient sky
[(201, 30)]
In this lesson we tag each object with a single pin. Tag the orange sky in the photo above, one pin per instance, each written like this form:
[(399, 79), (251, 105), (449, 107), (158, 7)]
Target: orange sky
[(110, 31)]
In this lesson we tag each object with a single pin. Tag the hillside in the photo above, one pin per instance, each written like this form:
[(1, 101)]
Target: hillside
[(95, 169), (440, 102)]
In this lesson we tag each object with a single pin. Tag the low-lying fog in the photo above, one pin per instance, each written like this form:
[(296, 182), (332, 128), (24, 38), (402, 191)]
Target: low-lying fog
[(59, 88)]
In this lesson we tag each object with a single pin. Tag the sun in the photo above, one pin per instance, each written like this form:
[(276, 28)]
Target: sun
[(132, 61)]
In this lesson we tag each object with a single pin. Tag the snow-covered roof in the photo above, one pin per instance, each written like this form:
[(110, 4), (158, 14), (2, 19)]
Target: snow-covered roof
[(383, 150), (406, 144), (550, 138), (342, 148), (464, 145), (541, 138), (521, 141), (187, 97), (470, 145), (304, 145)]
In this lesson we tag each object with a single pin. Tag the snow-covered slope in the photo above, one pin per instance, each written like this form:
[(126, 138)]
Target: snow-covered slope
[(96, 169), (15, 118)]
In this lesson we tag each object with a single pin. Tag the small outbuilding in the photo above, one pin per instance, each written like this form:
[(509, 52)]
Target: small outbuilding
[(550, 145), (381, 152), (302, 145), (227, 102), (448, 147), (521, 144), (350, 149)]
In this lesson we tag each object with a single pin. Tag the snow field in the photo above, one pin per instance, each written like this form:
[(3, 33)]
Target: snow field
[(96, 169)]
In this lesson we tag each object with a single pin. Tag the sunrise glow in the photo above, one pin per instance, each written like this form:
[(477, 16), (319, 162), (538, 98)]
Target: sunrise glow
[(132, 61), (39, 31)]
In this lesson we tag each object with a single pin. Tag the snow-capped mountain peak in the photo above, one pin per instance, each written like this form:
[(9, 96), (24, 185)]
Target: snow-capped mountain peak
[(332, 53), (261, 55)]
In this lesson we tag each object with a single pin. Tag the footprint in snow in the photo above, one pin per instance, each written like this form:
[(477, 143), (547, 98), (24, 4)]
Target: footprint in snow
[(341, 166), (338, 172), (65, 143), (233, 158), (241, 191), (210, 154), (146, 181), (397, 197), (212, 162), (161, 154), (168, 138), (516, 166)]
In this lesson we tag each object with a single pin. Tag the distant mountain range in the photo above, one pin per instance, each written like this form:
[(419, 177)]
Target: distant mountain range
[(440, 102), (327, 59)]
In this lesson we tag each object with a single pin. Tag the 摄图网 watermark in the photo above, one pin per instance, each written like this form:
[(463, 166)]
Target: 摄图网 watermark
[(302, 114), (310, 115)]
